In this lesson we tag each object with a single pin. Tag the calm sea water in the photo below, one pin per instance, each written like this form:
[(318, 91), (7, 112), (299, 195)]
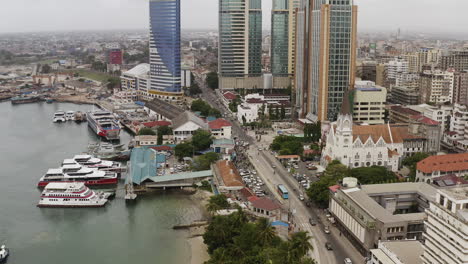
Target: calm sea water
[(118, 233)]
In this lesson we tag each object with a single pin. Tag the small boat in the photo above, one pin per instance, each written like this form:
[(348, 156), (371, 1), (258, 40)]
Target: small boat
[(25, 99), (71, 194), (79, 116), (49, 101), (4, 253), (94, 163), (70, 115), (59, 117)]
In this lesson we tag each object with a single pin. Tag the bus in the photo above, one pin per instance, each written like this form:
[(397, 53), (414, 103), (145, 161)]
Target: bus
[(283, 191)]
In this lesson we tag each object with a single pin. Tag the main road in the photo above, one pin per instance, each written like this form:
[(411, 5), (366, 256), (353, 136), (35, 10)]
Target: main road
[(273, 173)]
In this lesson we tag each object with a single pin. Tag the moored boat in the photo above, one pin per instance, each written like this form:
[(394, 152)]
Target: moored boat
[(4, 253), (71, 194), (70, 115), (79, 116), (89, 176), (59, 116), (25, 99), (94, 163), (104, 124)]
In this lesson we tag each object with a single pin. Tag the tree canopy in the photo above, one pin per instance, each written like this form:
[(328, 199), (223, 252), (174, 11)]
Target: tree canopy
[(204, 108), (233, 239), (146, 131), (412, 161), (335, 172), (204, 161), (183, 150), (212, 80), (288, 145), (201, 140)]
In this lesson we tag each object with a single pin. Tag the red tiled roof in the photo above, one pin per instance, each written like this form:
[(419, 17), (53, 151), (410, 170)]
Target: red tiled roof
[(334, 188), (219, 123), (444, 163), (288, 157), (229, 95), (424, 120), (311, 151), (246, 192), (265, 204), (255, 101), (404, 110), (451, 133), (398, 133), (392, 153), (157, 123), (162, 148), (328, 158), (253, 198)]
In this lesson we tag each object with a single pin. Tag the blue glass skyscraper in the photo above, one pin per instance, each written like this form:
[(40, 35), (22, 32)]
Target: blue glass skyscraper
[(164, 44)]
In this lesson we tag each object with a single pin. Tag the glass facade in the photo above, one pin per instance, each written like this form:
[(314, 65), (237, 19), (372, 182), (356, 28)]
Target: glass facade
[(240, 38), (165, 68), (280, 38)]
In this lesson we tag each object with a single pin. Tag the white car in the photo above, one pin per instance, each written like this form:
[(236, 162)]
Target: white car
[(347, 261), (301, 197)]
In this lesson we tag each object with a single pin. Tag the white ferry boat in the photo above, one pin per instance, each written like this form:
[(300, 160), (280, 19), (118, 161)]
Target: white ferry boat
[(59, 117), (71, 194), (70, 115), (91, 162), (104, 124), (74, 173)]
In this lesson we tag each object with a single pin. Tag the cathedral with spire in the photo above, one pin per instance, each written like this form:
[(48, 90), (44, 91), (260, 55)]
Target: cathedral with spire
[(368, 145)]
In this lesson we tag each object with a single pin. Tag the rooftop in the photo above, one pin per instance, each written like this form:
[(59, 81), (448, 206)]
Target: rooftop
[(229, 174), (449, 180), (185, 117), (140, 69), (444, 163), (363, 198), (404, 110), (408, 252), (164, 108), (223, 141), (157, 123), (390, 133), (219, 123), (265, 204)]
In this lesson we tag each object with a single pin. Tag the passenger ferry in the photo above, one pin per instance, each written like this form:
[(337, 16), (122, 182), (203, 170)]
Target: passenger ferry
[(92, 162), (71, 194), (59, 117), (104, 124), (77, 173)]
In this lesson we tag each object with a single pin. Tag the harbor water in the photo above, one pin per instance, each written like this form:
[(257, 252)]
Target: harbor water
[(118, 233)]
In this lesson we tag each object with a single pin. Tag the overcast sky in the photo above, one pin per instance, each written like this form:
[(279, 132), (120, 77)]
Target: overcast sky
[(50, 15)]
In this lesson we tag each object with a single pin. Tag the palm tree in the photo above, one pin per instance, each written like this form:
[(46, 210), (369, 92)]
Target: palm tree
[(300, 245), (266, 232), (212, 207)]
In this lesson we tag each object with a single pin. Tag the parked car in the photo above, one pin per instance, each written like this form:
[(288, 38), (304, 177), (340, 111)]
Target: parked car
[(301, 197), (326, 230), (347, 261), (312, 222), (328, 246)]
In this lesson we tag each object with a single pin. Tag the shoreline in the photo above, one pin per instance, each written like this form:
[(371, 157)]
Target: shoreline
[(198, 249)]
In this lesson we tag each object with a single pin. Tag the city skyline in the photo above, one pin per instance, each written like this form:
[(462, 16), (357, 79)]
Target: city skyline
[(65, 15)]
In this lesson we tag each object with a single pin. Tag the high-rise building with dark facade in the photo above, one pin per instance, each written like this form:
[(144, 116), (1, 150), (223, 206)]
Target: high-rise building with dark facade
[(165, 67), (328, 57), (240, 44)]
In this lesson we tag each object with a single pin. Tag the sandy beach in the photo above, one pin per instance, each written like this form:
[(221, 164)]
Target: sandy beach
[(199, 251)]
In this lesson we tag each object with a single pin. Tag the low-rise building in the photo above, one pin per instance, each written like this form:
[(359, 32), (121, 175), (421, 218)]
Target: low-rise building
[(224, 147), (371, 213), (441, 165), (220, 128), (288, 158), (397, 252), (446, 235), (185, 125), (227, 177), (404, 95), (265, 207), (369, 103), (145, 140)]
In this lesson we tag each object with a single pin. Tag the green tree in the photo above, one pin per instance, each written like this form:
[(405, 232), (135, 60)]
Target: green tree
[(244, 121), (373, 175), (46, 68), (194, 89), (160, 139), (146, 131), (411, 163), (204, 161), (212, 80), (283, 112), (266, 232), (183, 150), (113, 82), (217, 202), (300, 245), (201, 140), (318, 191)]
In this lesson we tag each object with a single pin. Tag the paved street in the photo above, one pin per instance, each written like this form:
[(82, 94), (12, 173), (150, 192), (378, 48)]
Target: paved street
[(263, 162)]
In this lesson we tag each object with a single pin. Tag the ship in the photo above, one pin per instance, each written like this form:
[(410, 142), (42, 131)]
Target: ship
[(25, 99), (71, 194), (77, 173), (104, 124)]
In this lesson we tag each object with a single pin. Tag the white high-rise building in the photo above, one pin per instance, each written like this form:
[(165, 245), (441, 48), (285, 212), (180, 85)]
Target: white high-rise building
[(447, 227), (396, 67)]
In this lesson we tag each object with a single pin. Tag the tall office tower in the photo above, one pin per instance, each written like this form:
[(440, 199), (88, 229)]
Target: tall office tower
[(329, 56), (446, 227), (165, 69), (240, 44), (283, 24)]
